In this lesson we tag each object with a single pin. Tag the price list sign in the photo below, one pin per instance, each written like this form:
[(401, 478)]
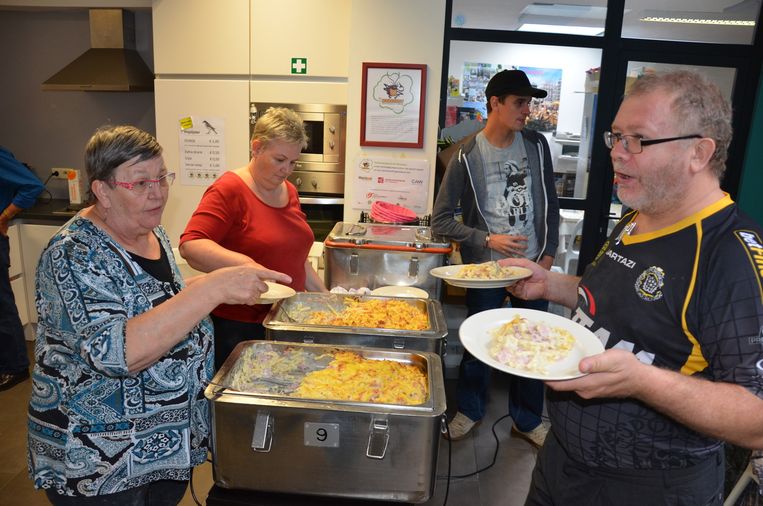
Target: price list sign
[(202, 150)]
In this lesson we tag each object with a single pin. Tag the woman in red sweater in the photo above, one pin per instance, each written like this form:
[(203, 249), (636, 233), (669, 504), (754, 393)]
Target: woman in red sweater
[(252, 215)]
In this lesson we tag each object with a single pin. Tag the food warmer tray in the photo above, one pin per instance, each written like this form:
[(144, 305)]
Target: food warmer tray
[(369, 255), (284, 323), (360, 450)]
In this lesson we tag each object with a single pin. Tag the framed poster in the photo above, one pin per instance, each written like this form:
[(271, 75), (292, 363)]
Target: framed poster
[(392, 108)]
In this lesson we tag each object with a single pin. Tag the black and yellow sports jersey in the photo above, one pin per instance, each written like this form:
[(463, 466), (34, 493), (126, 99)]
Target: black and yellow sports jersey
[(687, 298)]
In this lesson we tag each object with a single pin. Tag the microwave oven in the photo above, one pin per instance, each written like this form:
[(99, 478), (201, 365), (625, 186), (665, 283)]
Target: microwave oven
[(326, 126)]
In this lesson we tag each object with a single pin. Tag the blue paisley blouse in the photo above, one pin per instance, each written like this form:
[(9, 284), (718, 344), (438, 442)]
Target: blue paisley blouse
[(95, 428)]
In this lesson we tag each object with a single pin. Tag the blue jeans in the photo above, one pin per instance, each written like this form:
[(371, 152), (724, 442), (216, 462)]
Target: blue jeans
[(525, 395), (13, 357)]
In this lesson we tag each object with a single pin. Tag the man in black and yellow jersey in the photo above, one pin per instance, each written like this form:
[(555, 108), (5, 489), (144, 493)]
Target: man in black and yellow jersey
[(676, 297)]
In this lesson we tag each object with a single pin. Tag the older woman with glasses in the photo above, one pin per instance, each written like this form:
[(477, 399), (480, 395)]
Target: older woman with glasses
[(124, 348)]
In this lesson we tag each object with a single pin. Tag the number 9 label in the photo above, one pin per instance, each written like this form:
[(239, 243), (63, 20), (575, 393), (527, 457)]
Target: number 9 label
[(322, 434)]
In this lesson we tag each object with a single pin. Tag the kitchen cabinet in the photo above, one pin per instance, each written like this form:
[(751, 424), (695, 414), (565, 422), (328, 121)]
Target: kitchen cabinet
[(34, 239), (15, 244), (202, 38), (16, 273), (317, 31)]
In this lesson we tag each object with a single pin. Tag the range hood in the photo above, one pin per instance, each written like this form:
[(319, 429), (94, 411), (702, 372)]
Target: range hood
[(111, 63)]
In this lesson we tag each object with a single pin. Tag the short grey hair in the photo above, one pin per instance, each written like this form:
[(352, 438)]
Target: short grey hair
[(698, 107), (280, 123), (111, 146)]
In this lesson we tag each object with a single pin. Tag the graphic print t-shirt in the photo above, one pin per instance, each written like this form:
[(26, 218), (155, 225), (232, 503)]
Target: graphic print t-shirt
[(509, 207)]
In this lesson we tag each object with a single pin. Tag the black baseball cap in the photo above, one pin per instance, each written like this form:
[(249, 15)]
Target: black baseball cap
[(512, 82)]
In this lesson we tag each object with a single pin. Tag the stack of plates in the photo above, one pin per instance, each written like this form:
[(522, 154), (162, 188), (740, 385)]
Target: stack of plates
[(401, 291), (385, 212)]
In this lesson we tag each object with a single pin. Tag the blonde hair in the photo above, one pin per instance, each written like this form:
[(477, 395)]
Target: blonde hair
[(698, 107), (280, 123)]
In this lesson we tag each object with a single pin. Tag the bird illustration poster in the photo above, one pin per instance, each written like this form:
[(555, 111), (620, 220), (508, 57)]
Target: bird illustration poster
[(202, 149), (392, 110)]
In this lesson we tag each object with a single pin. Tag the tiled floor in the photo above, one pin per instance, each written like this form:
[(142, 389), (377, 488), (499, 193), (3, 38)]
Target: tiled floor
[(504, 484)]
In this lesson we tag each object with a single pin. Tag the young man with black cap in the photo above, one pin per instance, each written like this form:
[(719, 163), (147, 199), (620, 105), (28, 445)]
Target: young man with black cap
[(504, 181)]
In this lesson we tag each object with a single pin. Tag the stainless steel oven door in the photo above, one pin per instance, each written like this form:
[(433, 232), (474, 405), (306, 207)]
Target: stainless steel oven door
[(322, 214), (317, 182), (325, 138)]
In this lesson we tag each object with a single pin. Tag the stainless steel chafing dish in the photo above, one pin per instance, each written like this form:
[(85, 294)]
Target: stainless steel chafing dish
[(284, 322), (277, 443), (373, 255)]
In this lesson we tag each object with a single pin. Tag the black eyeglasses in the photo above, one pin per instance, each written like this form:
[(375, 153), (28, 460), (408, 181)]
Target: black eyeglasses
[(634, 144)]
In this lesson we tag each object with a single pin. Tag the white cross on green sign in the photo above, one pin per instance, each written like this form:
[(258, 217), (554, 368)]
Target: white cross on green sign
[(299, 65)]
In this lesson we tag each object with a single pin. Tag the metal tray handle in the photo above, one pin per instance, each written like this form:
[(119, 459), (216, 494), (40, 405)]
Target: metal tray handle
[(354, 264), (262, 437), (413, 268), (378, 438)]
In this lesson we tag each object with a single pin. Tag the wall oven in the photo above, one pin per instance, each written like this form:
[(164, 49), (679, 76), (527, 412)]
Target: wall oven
[(319, 172)]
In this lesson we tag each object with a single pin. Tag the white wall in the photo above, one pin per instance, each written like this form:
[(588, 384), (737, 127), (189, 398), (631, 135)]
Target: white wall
[(394, 31), (178, 98), (573, 61)]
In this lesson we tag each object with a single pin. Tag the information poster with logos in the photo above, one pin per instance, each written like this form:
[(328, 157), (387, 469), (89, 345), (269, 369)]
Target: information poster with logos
[(401, 181), (202, 150)]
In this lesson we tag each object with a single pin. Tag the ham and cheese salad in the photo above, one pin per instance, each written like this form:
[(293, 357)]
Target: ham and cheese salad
[(528, 345), (338, 375), (486, 270)]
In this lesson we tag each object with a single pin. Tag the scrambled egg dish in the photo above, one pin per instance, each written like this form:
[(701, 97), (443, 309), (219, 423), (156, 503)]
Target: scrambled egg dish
[(527, 345), (338, 375), (486, 270), (350, 377), (375, 314)]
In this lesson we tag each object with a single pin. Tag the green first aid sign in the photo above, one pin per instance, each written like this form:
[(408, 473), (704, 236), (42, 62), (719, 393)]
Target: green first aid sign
[(299, 65)]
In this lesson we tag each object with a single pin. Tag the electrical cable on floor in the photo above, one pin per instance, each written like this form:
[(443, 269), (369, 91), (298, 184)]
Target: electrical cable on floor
[(447, 483), (495, 454), (193, 492)]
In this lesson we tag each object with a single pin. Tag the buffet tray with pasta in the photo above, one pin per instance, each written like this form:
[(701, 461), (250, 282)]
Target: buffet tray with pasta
[(300, 418), (368, 321), (338, 374)]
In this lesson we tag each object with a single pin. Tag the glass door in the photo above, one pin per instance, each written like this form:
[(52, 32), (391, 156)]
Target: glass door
[(597, 45)]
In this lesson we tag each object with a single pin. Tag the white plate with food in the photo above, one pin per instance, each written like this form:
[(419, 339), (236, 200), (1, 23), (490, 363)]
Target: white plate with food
[(529, 343), (275, 293), (484, 275), (401, 291)]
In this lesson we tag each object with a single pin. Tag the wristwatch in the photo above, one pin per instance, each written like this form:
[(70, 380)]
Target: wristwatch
[(487, 241)]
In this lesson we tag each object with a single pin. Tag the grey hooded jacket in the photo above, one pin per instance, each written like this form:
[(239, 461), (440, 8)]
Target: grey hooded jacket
[(464, 181)]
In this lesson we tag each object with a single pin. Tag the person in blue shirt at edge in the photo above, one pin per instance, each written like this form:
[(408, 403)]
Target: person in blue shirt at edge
[(503, 179), (675, 295), (19, 188)]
